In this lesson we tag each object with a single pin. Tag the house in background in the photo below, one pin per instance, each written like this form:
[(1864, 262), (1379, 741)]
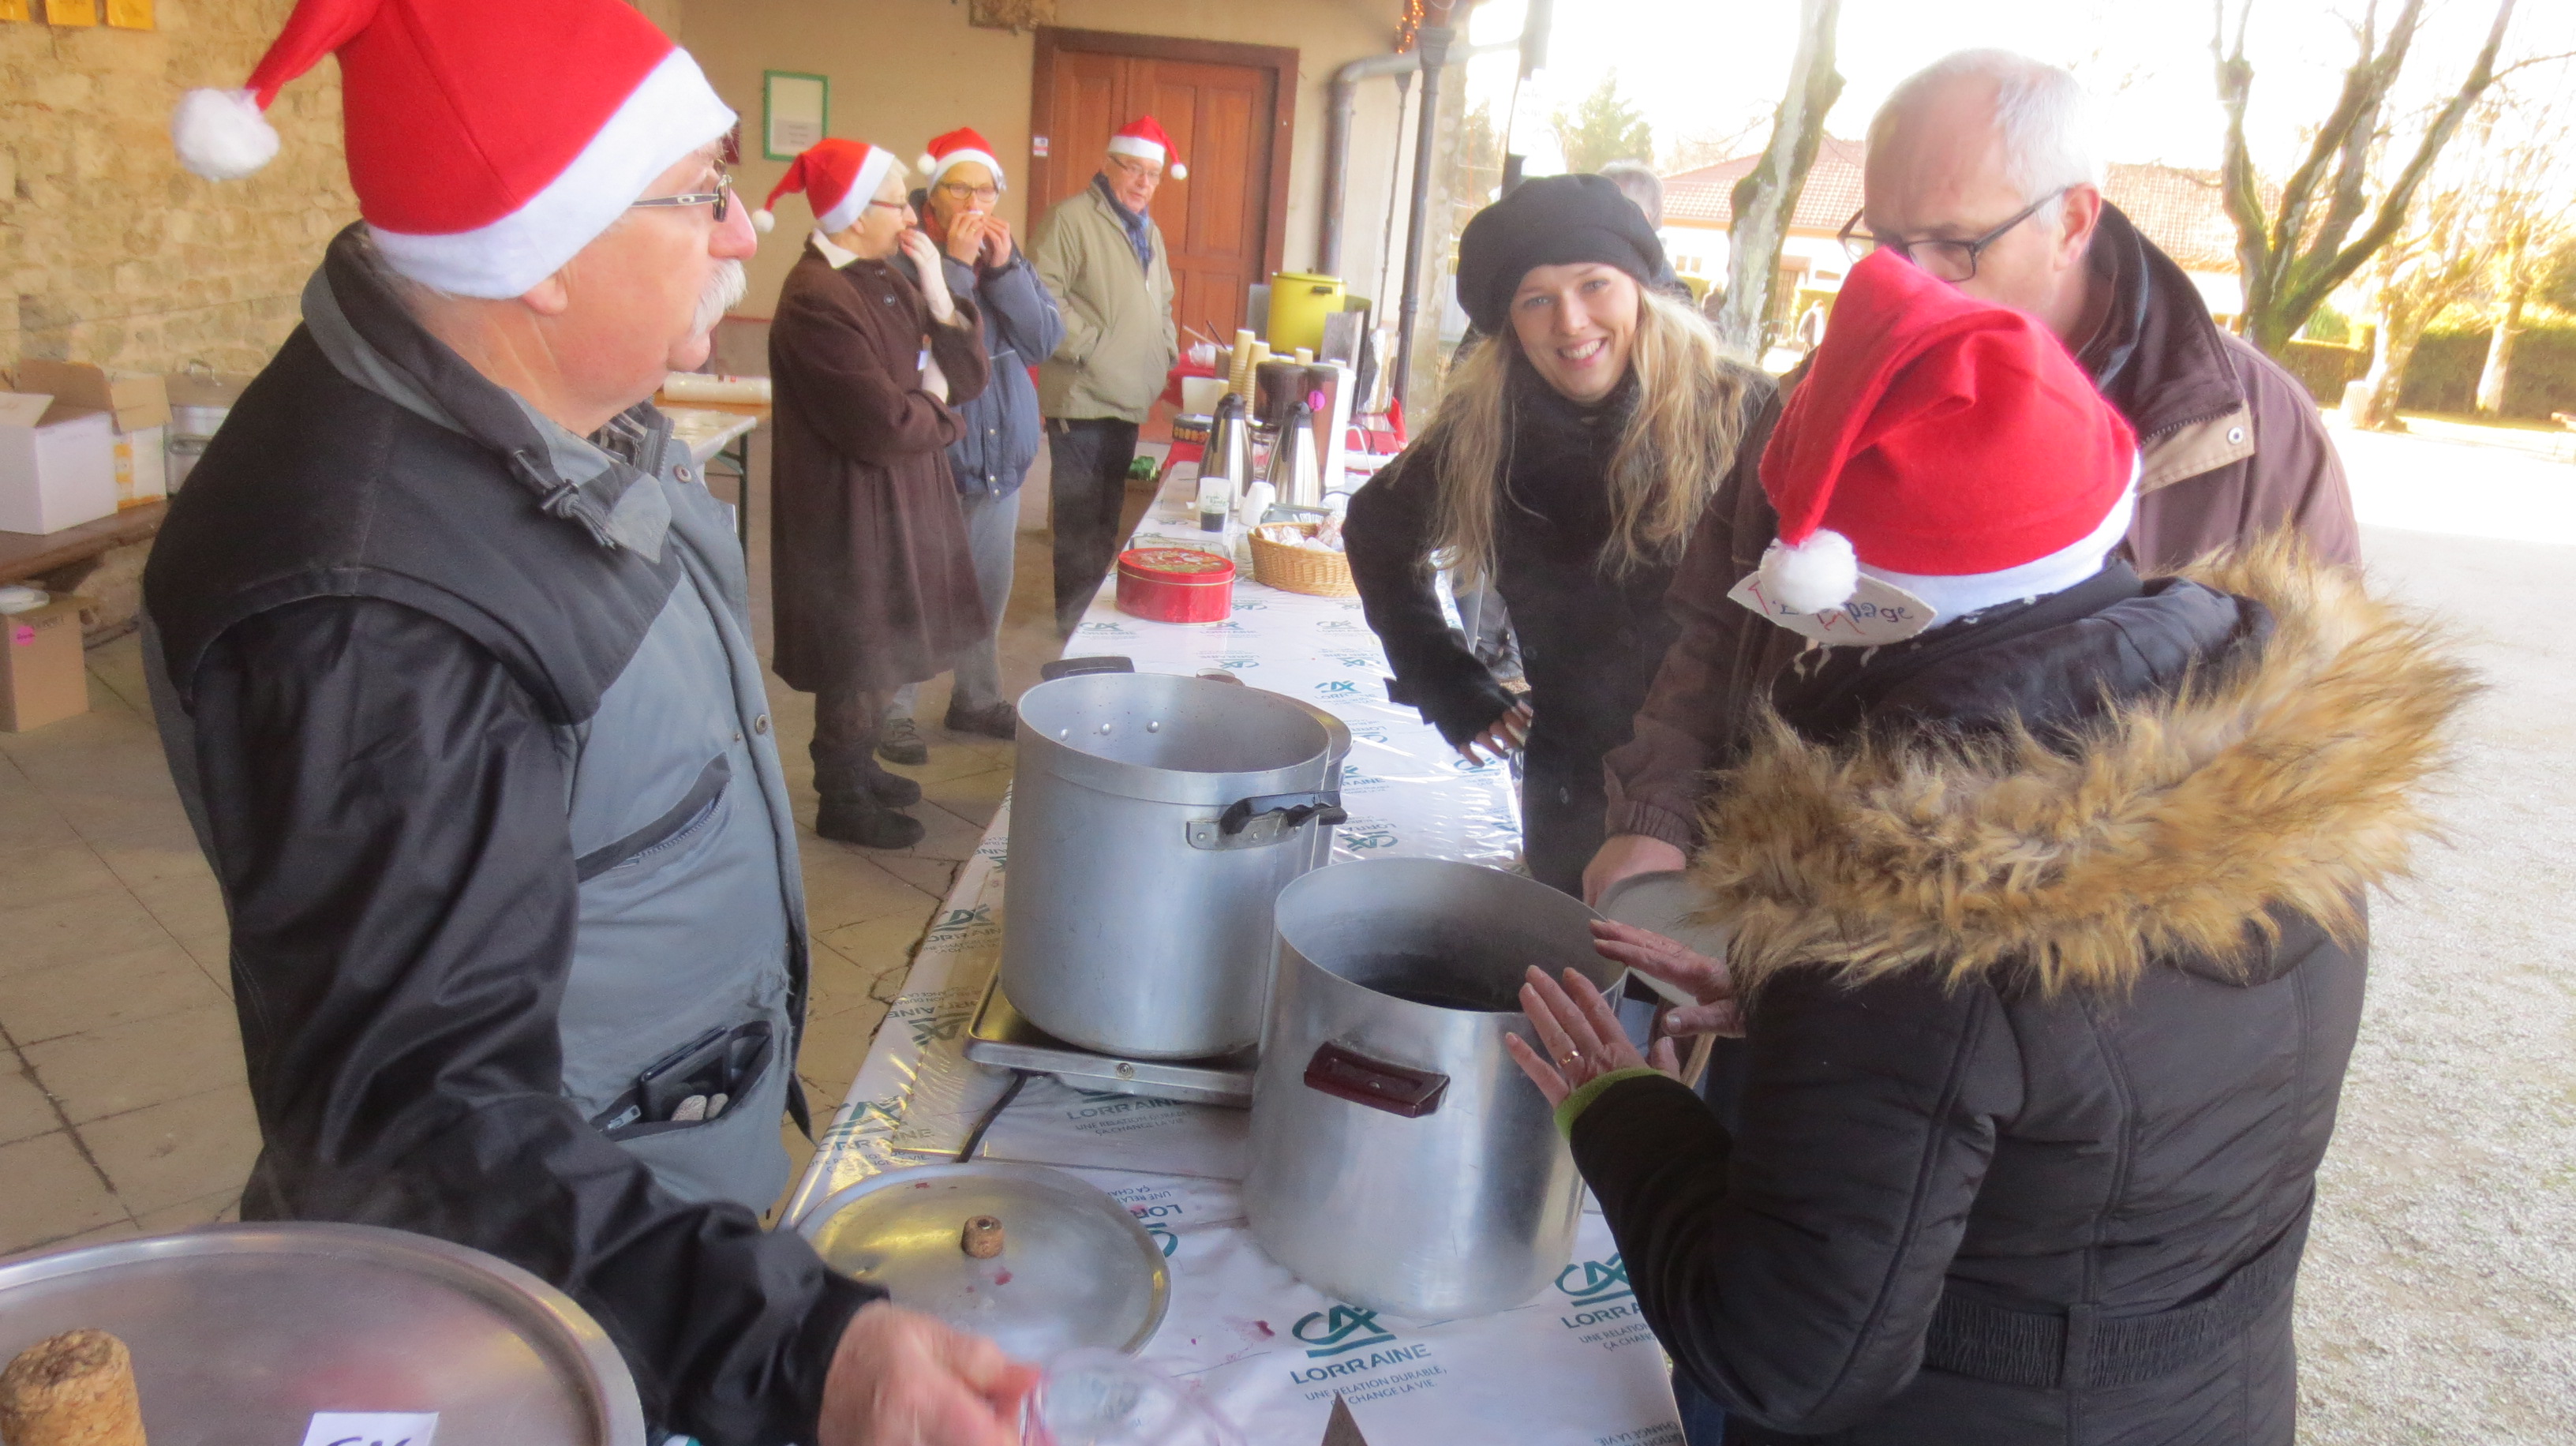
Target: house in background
[(2178, 209)]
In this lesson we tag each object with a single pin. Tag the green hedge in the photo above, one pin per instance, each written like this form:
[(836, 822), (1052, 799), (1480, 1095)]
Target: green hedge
[(2442, 376)]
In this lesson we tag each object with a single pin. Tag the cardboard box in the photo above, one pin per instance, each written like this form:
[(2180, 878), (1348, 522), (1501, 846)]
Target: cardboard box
[(142, 466), (137, 400), (57, 464), (43, 677)]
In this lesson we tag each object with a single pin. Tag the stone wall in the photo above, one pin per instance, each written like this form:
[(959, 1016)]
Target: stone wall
[(116, 255)]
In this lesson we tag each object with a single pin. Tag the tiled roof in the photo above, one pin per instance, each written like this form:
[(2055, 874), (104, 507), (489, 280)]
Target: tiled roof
[(2178, 209)]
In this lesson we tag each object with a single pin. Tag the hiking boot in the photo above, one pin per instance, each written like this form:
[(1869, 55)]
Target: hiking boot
[(859, 819), (851, 772), (900, 742), (1001, 720)]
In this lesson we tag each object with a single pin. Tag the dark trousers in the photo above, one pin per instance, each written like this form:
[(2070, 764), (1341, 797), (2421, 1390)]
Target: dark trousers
[(847, 724), (1089, 457), (1563, 801)]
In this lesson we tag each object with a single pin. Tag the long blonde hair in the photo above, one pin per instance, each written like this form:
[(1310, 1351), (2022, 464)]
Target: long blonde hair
[(1678, 445)]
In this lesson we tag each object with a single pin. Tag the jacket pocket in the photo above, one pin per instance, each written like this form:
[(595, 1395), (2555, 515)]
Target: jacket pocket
[(673, 828), (738, 1156)]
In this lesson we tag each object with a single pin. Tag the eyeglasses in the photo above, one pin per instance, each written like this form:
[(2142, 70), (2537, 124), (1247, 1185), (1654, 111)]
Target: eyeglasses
[(720, 197), (960, 191), (1946, 259), (893, 205), (1133, 167)]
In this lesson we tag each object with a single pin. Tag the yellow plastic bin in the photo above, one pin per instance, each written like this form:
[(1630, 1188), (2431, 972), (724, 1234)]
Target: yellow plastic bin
[(1298, 305)]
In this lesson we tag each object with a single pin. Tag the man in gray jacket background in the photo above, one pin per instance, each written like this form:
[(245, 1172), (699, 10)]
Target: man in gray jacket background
[(1102, 255), (963, 182)]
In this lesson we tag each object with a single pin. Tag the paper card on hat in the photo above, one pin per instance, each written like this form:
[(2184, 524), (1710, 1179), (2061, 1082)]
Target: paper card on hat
[(1878, 612)]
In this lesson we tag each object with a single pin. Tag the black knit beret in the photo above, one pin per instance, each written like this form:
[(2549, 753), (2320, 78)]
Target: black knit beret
[(1550, 221)]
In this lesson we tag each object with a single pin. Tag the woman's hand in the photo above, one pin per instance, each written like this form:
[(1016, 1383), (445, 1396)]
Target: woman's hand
[(1719, 1011), (966, 237), (1582, 1037), (924, 254), (1505, 737)]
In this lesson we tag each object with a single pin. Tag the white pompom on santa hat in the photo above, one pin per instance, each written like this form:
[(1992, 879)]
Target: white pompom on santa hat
[(1143, 138), (1946, 445), (955, 148), (488, 140), (839, 178)]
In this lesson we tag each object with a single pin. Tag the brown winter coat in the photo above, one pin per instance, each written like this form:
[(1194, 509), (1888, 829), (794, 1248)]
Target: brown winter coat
[(2231, 451), (872, 585)]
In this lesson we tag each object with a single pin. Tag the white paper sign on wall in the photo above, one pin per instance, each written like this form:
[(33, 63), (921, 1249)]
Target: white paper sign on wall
[(371, 1428)]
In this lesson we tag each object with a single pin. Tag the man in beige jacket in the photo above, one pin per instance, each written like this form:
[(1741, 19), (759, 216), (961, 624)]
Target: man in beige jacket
[(1102, 257)]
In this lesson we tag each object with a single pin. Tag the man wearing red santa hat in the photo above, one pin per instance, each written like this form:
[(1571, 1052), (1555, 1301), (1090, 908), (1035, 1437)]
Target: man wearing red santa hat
[(450, 650), (2045, 887), (1102, 257)]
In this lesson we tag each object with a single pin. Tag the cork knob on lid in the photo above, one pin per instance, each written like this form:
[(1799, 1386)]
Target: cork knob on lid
[(982, 1237), (74, 1389)]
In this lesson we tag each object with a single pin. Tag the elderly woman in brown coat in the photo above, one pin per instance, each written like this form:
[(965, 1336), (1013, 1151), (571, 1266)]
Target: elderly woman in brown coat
[(873, 585)]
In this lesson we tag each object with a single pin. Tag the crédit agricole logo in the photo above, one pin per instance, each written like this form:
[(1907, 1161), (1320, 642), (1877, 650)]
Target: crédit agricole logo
[(1351, 1343)]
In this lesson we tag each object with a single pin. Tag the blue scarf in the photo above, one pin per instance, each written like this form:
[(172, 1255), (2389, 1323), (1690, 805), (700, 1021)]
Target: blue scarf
[(1140, 228)]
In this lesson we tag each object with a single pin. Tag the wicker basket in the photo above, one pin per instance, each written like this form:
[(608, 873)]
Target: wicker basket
[(1301, 569)]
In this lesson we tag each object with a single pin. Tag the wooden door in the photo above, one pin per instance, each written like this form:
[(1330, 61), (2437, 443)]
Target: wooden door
[(1228, 108)]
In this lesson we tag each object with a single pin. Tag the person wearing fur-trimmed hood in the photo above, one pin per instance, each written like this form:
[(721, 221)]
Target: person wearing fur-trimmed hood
[(2046, 922)]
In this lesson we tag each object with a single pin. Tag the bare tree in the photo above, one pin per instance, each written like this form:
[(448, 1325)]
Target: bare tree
[(2481, 232), (2528, 228), (2326, 221), (1768, 195)]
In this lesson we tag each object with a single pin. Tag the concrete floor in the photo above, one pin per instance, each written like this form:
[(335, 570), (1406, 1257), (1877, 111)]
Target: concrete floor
[(2438, 1303)]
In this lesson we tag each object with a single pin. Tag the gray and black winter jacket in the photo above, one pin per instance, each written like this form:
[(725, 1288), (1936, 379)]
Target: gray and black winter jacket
[(467, 711), (991, 457)]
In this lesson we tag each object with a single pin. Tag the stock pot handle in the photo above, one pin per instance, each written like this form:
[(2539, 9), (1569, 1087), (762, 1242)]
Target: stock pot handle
[(1076, 667), (1299, 809), (1400, 1090)]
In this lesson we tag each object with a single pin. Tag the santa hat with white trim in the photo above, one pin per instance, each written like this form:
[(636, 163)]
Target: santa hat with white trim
[(488, 140), (961, 144), (1946, 445), (838, 177), (1143, 138)]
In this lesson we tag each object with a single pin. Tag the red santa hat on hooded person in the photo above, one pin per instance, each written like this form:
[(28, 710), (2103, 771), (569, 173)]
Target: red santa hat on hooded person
[(1945, 445), (1143, 138), (488, 140), (838, 178), (959, 145)]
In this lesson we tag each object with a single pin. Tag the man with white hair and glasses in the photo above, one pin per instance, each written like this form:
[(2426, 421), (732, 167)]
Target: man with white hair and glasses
[(453, 663), (1981, 171)]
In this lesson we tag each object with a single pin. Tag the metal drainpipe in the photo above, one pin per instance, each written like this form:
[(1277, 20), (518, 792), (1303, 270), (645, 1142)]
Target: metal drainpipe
[(1337, 136), (1433, 42)]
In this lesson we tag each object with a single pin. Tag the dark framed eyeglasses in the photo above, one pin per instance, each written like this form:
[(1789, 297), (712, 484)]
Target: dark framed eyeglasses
[(1947, 259), (960, 191), (720, 197)]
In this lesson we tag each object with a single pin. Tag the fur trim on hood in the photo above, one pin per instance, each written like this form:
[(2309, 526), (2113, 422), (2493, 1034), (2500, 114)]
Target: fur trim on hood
[(2172, 826)]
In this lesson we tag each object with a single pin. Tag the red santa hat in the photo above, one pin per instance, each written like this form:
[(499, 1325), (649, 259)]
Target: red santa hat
[(488, 140), (961, 144), (1143, 138), (838, 178), (1949, 446)]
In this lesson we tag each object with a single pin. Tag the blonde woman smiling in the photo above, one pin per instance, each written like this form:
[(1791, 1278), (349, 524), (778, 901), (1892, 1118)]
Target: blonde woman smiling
[(1570, 458)]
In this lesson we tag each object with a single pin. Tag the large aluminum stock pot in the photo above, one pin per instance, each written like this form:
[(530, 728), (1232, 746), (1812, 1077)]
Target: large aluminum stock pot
[(1154, 819), (1400, 1160)]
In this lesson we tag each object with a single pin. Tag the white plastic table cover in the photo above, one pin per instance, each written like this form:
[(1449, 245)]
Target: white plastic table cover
[(1575, 1366)]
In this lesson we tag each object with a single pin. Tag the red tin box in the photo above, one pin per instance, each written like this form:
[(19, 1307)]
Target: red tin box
[(1175, 584)]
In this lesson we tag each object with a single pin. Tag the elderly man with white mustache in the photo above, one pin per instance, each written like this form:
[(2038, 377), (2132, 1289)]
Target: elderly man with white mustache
[(453, 662)]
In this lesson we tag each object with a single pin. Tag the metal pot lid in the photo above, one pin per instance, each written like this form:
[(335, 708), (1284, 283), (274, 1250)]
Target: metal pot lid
[(1075, 1269), (245, 1333)]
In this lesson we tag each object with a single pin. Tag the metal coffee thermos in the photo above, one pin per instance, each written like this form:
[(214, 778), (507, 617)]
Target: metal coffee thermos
[(1229, 443), (1294, 473)]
